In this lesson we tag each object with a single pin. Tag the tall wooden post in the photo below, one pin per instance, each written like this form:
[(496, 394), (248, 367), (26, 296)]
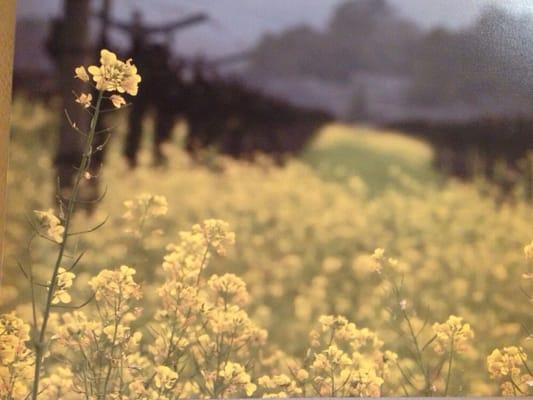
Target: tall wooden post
[(72, 48), (104, 32), (7, 36)]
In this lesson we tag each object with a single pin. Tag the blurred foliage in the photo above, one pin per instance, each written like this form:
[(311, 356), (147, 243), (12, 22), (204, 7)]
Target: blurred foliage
[(304, 235)]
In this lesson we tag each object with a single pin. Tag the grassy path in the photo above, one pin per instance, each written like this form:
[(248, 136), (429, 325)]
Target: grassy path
[(340, 151)]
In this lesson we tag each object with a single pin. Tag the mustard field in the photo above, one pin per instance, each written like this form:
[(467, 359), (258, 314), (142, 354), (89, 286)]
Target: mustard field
[(354, 270)]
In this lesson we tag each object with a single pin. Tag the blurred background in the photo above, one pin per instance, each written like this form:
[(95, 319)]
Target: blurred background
[(270, 73), (383, 60)]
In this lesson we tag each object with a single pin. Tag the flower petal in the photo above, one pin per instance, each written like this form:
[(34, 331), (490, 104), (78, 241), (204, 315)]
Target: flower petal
[(107, 57)]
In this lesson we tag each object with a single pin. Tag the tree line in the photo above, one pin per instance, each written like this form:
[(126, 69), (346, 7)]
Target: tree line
[(487, 63)]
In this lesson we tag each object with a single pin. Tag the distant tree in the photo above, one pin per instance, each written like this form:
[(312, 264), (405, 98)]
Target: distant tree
[(292, 52), (361, 35), (489, 61)]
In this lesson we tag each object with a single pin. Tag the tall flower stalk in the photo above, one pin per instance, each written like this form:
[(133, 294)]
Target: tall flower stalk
[(446, 339), (112, 75)]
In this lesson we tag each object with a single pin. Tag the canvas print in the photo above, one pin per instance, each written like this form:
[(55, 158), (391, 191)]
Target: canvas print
[(266, 199)]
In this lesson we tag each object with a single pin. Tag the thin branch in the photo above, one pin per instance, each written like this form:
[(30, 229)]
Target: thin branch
[(75, 263), (91, 229), (101, 146), (73, 124), (97, 200), (75, 307), (426, 320), (30, 278), (429, 342), (105, 130)]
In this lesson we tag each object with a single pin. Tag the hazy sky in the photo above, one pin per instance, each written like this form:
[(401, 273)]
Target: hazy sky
[(236, 24)]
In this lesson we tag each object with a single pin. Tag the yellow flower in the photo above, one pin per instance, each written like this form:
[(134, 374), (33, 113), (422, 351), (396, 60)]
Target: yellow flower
[(11, 325), (145, 205), (378, 258), (52, 224), (216, 233), (506, 362), (235, 377), (56, 233), (165, 378), (230, 288), (379, 254), (330, 321), (47, 217), (528, 251), (81, 74), (57, 385), (302, 375), (454, 333), (508, 389), (279, 386), (250, 388), (117, 100), (85, 99), (115, 75), (64, 282), (114, 290), (16, 360)]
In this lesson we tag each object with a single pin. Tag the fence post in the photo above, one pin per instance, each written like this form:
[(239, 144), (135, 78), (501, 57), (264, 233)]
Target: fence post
[(7, 39)]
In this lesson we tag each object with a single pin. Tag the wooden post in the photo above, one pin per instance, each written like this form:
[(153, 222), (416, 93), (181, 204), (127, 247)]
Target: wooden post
[(72, 47), (7, 40), (104, 32)]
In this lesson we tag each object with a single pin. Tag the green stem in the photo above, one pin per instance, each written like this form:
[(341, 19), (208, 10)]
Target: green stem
[(84, 164), (420, 361), (450, 362), (110, 366)]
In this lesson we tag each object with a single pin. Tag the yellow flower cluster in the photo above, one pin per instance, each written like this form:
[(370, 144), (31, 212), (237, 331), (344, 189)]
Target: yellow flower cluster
[(452, 335), (112, 75), (143, 210), (114, 290), (229, 288), (85, 99), (16, 360), (509, 366), (233, 378), (216, 234), (115, 75), (449, 338), (165, 379), (342, 361), (59, 385), (106, 359), (281, 386), (145, 205), (202, 321)]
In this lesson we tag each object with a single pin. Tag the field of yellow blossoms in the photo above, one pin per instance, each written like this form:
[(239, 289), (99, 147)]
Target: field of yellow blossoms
[(353, 271)]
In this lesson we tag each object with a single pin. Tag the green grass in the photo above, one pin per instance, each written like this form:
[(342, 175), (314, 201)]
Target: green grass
[(341, 151)]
